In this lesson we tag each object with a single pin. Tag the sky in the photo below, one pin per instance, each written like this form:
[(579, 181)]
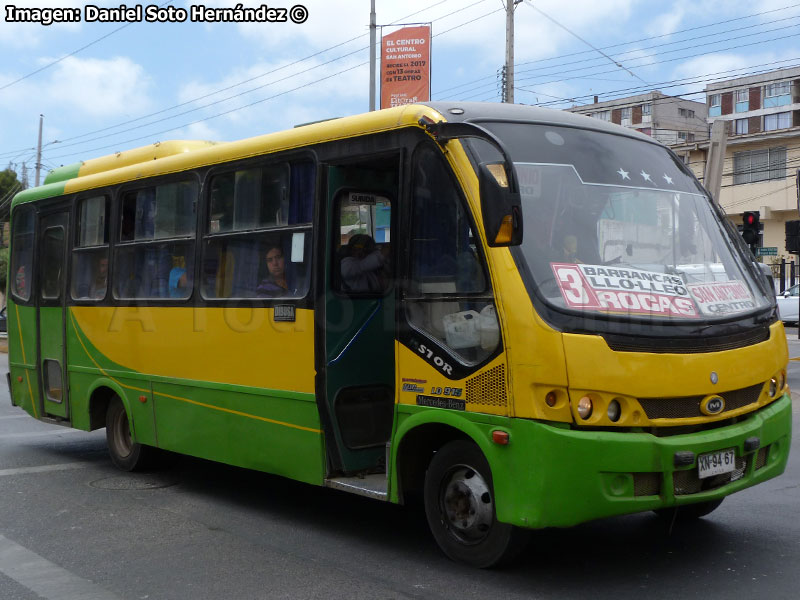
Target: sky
[(107, 87)]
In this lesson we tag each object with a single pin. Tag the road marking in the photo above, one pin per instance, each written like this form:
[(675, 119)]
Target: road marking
[(46, 578), (43, 468)]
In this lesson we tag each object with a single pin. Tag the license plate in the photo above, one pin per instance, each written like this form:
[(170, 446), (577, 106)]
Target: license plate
[(716, 463)]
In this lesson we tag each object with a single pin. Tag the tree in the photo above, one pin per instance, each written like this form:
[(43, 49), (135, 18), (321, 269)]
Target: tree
[(9, 185), (8, 182)]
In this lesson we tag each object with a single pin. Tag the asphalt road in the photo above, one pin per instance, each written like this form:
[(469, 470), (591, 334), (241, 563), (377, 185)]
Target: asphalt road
[(74, 528)]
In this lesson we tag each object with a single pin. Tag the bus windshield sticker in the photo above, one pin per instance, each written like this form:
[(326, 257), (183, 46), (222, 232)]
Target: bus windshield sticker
[(722, 297), (628, 290)]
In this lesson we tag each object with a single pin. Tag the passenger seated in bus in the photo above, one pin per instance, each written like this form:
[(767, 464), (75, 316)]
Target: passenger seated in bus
[(362, 267), (274, 284), (569, 249), (97, 289), (178, 279)]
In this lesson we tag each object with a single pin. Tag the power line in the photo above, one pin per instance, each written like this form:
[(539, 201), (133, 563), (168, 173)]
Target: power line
[(552, 20), (262, 86), (270, 72), (73, 53), (628, 43), (739, 46)]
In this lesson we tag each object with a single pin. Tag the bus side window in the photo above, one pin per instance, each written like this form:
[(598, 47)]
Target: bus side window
[(446, 261), (22, 253), (90, 253), (244, 254), (155, 256)]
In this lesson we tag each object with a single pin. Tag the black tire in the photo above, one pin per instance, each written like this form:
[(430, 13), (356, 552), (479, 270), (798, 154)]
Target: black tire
[(459, 505), (126, 454), (689, 512)]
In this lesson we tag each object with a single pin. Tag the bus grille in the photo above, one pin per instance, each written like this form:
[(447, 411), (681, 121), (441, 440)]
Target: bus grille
[(646, 484), (489, 388), (691, 345), (682, 408), (687, 482)]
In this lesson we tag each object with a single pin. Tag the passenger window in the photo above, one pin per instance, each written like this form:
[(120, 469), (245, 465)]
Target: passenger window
[(90, 254), (363, 256), (257, 242), (22, 253), (155, 256), (162, 270), (159, 212), (448, 297), (250, 199)]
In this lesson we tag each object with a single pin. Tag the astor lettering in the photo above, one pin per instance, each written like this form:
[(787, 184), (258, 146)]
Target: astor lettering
[(438, 361)]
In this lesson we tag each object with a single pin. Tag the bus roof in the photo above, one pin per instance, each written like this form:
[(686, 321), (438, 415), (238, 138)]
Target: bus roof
[(174, 156)]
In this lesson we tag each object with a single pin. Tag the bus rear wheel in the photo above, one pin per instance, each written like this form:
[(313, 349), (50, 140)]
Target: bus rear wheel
[(459, 505), (126, 454)]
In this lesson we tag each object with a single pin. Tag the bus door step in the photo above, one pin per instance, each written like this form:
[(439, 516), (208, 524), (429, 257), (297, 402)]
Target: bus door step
[(372, 486)]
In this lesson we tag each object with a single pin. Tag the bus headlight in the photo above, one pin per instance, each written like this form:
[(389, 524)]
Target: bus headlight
[(773, 387), (614, 411), (585, 407)]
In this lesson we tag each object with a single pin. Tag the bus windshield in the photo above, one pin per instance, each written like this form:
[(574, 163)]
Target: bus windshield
[(616, 226)]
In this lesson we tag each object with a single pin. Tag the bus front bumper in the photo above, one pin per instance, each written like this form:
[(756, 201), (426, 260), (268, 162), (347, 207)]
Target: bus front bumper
[(550, 476)]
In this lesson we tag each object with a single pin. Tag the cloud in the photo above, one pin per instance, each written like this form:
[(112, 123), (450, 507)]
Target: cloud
[(253, 112), (99, 87), (199, 131)]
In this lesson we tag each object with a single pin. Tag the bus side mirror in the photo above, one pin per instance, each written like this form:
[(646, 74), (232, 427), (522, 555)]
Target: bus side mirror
[(501, 207)]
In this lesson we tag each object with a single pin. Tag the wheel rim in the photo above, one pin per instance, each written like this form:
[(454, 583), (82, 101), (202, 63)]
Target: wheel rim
[(466, 504), (122, 435)]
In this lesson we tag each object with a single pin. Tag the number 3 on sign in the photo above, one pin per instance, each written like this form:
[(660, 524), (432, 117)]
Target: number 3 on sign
[(571, 283)]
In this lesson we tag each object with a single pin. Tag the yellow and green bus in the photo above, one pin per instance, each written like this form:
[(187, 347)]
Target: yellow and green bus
[(527, 318)]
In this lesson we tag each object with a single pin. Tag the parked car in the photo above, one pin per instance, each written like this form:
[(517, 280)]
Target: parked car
[(788, 303), (3, 328)]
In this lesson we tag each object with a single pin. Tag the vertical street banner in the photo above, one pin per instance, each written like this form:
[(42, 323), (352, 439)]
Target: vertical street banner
[(406, 66)]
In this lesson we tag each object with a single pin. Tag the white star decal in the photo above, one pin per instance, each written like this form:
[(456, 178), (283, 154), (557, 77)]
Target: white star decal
[(646, 176), (623, 174), (667, 179)]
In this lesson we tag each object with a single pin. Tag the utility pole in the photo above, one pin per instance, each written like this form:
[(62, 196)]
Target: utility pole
[(372, 30), (24, 179), (39, 151), (508, 96)]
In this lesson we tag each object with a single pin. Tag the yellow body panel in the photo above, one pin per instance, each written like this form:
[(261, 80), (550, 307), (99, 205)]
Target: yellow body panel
[(591, 364), (242, 346), (145, 154), (101, 172)]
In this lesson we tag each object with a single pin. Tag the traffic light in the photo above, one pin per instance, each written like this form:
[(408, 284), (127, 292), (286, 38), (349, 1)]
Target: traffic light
[(750, 227)]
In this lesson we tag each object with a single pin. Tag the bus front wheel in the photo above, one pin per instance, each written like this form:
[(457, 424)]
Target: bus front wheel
[(126, 454), (459, 505)]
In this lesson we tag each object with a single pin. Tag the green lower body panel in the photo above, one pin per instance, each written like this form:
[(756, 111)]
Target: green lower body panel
[(266, 432), (551, 476)]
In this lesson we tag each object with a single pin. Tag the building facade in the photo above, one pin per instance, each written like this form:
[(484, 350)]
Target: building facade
[(762, 114), (668, 119)]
